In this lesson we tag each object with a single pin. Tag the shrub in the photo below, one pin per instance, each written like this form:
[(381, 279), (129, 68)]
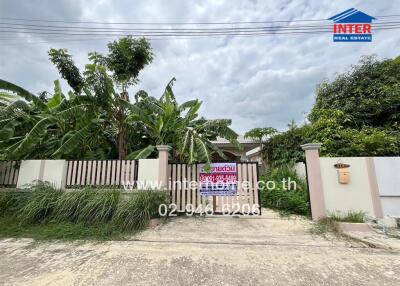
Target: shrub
[(288, 201), (135, 212), (41, 203)]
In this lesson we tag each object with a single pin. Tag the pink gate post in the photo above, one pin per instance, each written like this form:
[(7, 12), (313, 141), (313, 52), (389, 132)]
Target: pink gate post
[(314, 178)]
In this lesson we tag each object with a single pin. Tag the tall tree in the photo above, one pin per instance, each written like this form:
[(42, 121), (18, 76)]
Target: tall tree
[(125, 59)]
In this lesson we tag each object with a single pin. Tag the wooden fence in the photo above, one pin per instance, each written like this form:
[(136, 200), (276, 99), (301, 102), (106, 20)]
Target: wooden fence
[(101, 173), (245, 200), (9, 173)]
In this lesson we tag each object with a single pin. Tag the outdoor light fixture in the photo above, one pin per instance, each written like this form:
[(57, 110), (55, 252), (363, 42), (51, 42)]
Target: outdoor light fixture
[(343, 172)]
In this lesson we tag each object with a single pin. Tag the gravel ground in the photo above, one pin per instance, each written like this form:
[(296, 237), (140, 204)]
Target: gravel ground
[(203, 251)]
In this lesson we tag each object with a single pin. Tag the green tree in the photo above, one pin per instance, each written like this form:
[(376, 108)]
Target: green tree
[(126, 58), (369, 92), (165, 121)]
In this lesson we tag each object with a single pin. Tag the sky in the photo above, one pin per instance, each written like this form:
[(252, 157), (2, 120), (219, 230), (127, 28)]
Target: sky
[(255, 81)]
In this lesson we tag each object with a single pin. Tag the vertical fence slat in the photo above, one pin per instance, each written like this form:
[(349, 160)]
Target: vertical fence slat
[(188, 179), (192, 186), (88, 172), (83, 173), (1, 173), (98, 173), (173, 195), (16, 174), (118, 173), (255, 189), (69, 173), (93, 173), (179, 186), (7, 173), (132, 171)]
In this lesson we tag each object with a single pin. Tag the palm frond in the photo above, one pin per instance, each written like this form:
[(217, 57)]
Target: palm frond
[(34, 135), (5, 85), (74, 141)]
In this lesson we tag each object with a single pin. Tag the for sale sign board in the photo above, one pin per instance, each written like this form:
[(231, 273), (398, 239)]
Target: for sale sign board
[(220, 181)]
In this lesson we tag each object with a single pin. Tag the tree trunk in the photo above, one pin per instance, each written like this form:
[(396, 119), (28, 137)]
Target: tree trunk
[(122, 136), (122, 144)]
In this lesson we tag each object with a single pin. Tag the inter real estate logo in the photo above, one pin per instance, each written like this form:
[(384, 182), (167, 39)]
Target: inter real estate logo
[(352, 26)]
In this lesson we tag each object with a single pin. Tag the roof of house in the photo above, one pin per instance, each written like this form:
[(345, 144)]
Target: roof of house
[(253, 151), (241, 139), (352, 16)]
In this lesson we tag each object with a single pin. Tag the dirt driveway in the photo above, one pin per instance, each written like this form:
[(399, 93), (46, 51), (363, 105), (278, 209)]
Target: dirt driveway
[(203, 251)]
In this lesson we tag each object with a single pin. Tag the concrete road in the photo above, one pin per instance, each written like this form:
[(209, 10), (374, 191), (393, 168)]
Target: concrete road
[(210, 251)]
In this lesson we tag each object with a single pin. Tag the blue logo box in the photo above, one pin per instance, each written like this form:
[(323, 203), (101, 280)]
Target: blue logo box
[(352, 37)]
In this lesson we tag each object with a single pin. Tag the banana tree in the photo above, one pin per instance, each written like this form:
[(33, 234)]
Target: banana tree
[(46, 128), (168, 123)]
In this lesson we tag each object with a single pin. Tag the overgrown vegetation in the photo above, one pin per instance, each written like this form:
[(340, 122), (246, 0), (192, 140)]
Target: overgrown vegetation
[(44, 212), (356, 114), (277, 194)]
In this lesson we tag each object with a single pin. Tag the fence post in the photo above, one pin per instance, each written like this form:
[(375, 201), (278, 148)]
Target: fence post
[(163, 164), (314, 178)]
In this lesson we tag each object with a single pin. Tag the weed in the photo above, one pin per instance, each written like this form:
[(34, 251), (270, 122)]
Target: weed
[(350, 216), (326, 225)]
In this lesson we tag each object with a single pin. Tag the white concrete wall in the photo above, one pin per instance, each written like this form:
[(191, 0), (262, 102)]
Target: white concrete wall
[(388, 175), (391, 206), (388, 178), (354, 196), (54, 172), (148, 171), (28, 172)]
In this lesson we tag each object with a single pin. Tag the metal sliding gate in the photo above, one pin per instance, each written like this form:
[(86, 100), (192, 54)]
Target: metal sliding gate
[(185, 191)]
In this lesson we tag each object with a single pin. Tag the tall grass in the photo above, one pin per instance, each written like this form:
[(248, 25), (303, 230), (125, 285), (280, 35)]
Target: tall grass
[(89, 206), (99, 207), (11, 202), (135, 212), (40, 205)]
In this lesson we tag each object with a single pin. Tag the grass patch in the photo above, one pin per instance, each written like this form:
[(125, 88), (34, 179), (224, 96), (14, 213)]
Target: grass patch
[(12, 227)]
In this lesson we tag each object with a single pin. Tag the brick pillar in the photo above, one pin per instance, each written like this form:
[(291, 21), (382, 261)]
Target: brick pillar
[(314, 178), (163, 164)]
